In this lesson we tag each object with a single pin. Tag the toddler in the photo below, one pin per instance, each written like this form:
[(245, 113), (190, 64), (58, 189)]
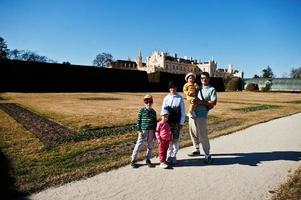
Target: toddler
[(164, 136), (190, 89)]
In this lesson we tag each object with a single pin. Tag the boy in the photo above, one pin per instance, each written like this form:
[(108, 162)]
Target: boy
[(146, 126)]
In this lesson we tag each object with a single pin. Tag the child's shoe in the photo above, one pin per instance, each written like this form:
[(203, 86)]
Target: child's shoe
[(195, 153), (133, 164), (149, 163), (163, 165)]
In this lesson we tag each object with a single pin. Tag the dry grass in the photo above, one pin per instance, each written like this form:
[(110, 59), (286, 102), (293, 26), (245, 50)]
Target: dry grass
[(86, 110), (36, 167), (291, 189), (92, 110)]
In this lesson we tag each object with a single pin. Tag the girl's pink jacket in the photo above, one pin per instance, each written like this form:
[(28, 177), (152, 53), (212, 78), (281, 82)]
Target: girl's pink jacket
[(163, 131)]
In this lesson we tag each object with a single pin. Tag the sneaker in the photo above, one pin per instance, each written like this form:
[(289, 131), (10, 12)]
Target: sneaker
[(195, 153), (208, 159), (163, 165), (133, 164), (149, 163)]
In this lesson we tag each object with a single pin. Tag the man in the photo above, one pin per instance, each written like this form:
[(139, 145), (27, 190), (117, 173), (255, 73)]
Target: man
[(174, 103), (207, 98)]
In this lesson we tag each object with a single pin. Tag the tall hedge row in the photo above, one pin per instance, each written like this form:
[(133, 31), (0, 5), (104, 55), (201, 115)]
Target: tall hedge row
[(21, 76)]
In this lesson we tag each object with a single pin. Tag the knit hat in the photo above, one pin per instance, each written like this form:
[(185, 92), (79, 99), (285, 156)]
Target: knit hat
[(148, 97), (164, 112), (190, 74)]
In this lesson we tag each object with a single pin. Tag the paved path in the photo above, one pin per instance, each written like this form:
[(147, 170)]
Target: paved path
[(247, 165)]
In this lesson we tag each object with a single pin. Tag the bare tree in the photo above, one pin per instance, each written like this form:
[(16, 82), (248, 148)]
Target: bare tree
[(102, 60), (28, 56), (3, 49), (296, 73)]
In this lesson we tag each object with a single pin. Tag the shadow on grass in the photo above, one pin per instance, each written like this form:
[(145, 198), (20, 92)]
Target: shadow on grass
[(250, 159), (7, 182)]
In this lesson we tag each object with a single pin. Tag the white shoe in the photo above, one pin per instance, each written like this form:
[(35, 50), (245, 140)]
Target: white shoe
[(163, 165)]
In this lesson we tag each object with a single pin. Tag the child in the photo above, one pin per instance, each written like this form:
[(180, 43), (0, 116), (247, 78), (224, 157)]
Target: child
[(146, 125), (190, 89), (164, 136)]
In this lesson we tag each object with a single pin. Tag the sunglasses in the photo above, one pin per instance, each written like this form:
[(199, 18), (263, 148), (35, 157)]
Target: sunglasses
[(203, 78), (148, 101)]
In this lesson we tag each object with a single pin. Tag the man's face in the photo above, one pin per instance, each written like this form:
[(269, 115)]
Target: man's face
[(204, 80)]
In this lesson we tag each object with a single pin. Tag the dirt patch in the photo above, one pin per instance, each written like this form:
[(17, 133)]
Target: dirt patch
[(47, 131)]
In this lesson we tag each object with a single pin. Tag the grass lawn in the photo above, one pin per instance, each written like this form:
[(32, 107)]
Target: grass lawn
[(35, 167)]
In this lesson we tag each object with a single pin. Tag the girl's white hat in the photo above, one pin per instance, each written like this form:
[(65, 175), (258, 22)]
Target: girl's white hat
[(190, 74)]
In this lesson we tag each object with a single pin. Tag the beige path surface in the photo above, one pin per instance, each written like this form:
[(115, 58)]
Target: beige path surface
[(247, 165)]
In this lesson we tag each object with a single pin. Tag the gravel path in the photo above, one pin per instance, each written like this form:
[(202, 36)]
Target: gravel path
[(248, 164)]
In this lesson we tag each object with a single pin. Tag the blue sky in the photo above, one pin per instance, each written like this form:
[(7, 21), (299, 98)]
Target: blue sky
[(250, 34)]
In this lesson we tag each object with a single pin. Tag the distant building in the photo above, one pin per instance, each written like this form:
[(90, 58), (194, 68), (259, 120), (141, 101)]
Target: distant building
[(163, 62), (229, 73), (173, 64), (209, 67), (123, 64)]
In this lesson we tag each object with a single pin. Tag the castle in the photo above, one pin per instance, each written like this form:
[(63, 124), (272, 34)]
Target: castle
[(163, 62)]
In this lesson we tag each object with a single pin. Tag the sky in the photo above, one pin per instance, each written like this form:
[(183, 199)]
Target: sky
[(249, 34)]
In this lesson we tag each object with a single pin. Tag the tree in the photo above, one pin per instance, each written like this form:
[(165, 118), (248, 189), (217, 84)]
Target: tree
[(296, 73), (33, 57), (3, 49), (256, 76), (66, 63), (15, 54), (267, 73), (28, 56), (102, 60)]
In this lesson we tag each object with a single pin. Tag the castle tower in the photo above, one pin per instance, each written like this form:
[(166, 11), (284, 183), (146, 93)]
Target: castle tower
[(230, 69), (139, 61)]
